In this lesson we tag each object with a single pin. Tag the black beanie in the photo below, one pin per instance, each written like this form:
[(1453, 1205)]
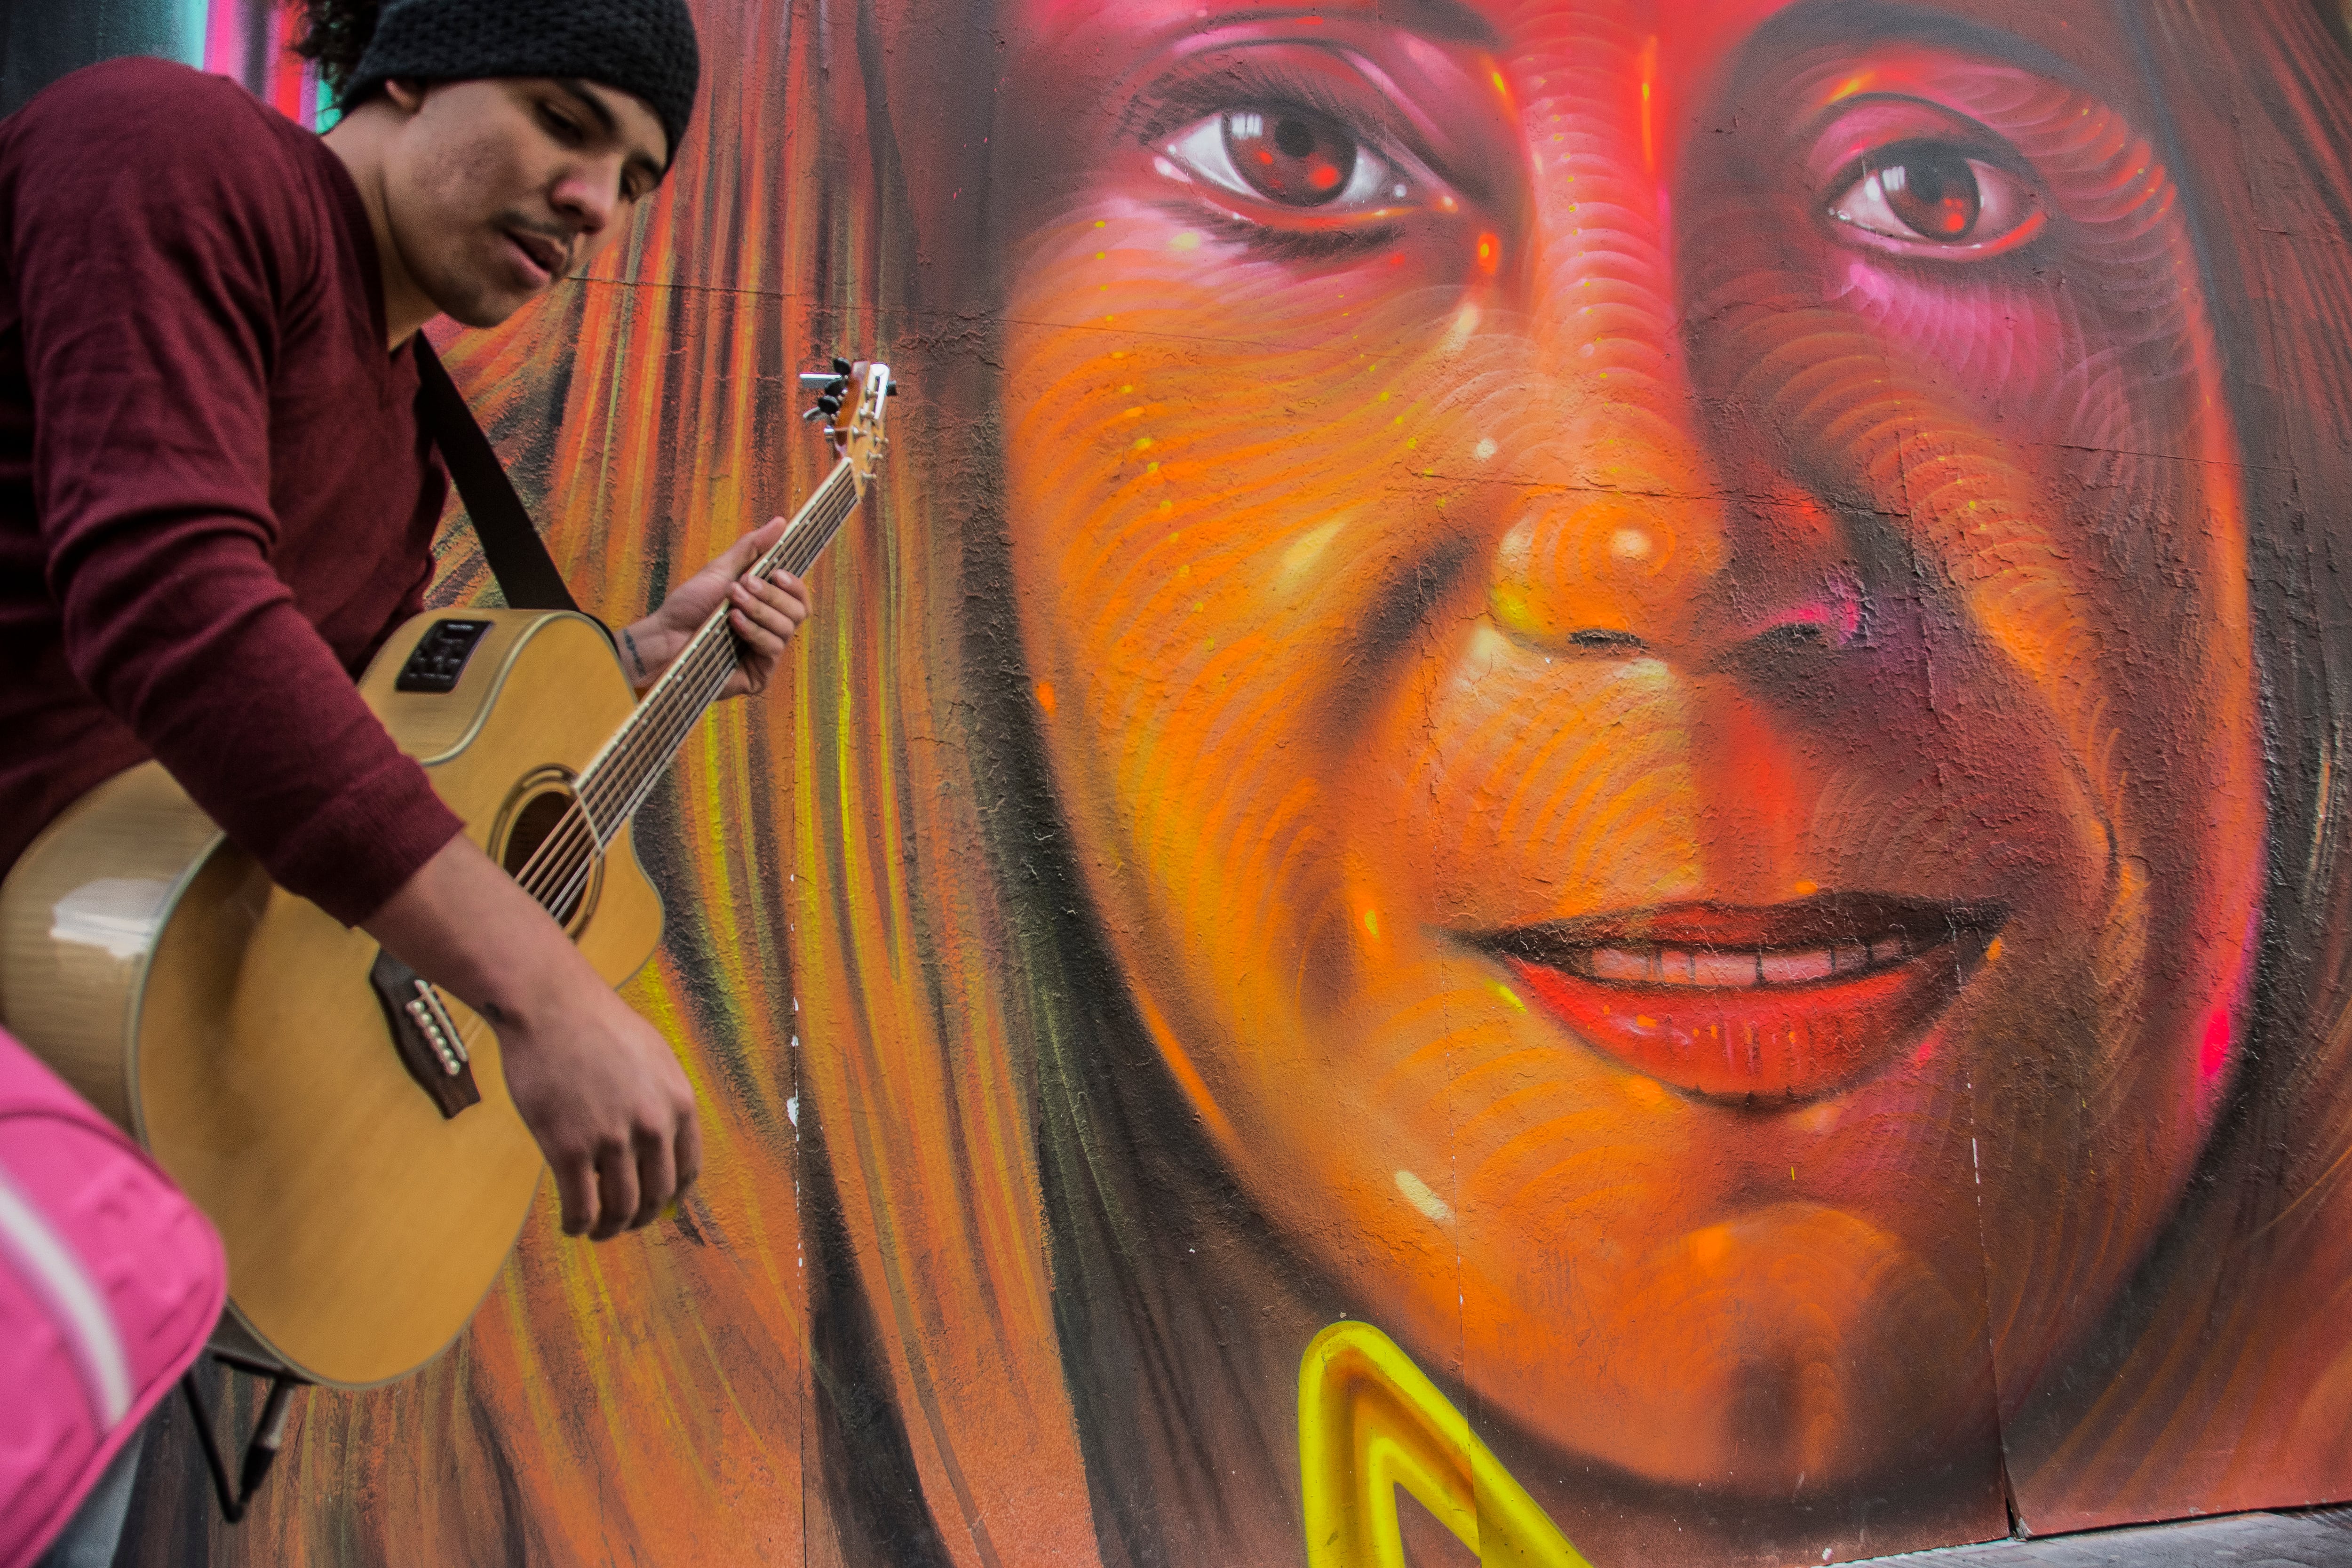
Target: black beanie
[(644, 48)]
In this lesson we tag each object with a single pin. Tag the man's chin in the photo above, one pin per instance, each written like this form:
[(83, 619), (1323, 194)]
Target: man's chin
[(480, 307), (485, 313)]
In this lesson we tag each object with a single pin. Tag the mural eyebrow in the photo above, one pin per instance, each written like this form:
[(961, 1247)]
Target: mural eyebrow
[(1445, 21), (1439, 21), (1860, 23)]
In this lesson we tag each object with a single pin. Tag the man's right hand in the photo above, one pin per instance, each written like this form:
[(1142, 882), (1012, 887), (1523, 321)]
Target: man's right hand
[(597, 1085)]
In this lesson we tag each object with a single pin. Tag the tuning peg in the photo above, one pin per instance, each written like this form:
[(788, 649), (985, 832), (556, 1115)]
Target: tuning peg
[(893, 390), (842, 367), (829, 402)]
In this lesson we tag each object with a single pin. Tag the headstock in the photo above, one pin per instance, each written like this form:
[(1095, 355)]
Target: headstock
[(860, 388)]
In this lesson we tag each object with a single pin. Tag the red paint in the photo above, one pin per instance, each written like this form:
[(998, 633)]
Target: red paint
[(1778, 1042), (2213, 1054)]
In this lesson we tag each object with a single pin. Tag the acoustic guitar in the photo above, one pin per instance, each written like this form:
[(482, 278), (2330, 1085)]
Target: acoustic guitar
[(344, 1124)]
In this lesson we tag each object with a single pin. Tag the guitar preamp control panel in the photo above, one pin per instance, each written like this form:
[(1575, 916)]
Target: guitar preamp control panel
[(440, 657)]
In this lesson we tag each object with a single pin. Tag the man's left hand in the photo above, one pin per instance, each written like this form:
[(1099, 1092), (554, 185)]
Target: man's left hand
[(763, 612)]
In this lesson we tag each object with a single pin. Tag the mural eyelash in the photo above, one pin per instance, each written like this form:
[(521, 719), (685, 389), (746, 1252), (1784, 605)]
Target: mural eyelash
[(1242, 81), (1935, 201), (1285, 244), (1930, 183)]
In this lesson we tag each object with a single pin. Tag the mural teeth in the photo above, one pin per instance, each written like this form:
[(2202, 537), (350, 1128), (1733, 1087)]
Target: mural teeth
[(1796, 968), (1724, 968), (1622, 964)]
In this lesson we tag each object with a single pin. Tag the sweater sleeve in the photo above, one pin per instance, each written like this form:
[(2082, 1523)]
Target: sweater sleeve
[(157, 246)]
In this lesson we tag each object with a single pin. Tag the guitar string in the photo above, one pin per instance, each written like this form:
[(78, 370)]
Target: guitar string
[(559, 869), (637, 763), (649, 747), (568, 855), (558, 872)]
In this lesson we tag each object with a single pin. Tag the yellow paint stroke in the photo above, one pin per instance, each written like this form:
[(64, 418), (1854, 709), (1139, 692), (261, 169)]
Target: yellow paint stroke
[(1303, 552), (1852, 86), (1369, 1422)]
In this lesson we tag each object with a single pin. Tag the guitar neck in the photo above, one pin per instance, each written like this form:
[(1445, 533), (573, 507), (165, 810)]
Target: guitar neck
[(612, 787)]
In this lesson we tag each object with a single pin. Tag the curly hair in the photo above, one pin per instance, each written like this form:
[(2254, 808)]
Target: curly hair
[(335, 33)]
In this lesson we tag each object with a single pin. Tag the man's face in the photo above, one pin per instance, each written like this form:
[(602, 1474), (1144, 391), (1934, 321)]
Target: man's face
[(494, 189), (1638, 609)]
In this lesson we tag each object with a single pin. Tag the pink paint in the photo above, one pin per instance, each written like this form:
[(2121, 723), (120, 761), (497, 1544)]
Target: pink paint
[(2213, 1054), (254, 43), (224, 36), (2218, 1046)]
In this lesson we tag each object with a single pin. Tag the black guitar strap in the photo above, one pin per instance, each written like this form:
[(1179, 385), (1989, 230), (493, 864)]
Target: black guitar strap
[(526, 574)]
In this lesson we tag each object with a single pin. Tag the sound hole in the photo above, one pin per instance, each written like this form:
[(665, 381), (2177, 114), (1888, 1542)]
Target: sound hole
[(567, 869)]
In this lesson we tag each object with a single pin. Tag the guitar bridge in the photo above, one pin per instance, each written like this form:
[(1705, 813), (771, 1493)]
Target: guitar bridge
[(424, 1034)]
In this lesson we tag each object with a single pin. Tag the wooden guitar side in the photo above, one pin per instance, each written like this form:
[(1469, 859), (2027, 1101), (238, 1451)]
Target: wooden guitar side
[(231, 1027)]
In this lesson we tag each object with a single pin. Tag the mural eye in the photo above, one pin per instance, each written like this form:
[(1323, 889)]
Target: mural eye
[(1932, 198), (1290, 156)]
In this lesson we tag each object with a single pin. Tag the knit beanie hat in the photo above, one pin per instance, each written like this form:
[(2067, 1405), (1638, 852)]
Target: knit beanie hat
[(644, 48)]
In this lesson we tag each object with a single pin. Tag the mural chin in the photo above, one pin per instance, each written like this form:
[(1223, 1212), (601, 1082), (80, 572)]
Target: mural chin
[(1777, 1350)]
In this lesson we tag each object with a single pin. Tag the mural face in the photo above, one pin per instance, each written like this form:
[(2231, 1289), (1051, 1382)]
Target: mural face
[(1580, 761), (1640, 619)]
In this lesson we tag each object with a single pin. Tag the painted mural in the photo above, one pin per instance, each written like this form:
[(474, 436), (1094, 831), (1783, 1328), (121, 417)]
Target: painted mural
[(1575, 803)]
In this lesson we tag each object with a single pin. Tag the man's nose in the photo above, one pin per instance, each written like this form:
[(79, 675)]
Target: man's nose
[(588, 195)]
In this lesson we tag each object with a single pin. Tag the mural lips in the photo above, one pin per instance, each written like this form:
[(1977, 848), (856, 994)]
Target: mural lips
[(1760, 1005)]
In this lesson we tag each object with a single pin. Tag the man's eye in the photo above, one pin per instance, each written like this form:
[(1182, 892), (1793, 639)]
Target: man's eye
[(1292, 157), (1932, 198), (559, 124)]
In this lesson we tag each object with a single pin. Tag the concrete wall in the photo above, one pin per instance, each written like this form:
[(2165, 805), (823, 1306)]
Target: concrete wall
[(1574, 794)]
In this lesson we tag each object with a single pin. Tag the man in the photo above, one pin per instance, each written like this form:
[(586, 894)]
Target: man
[(215, 499)]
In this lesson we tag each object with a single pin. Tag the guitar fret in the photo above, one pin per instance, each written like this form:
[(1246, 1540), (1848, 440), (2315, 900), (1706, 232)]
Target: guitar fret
[(623, 775)]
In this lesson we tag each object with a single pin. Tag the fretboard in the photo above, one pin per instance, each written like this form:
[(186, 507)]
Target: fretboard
[(611, 788)]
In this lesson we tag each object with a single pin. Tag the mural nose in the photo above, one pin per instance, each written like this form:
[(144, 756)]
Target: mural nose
[(1612, 571)]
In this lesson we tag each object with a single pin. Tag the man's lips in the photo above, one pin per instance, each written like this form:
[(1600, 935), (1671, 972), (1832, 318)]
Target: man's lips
[(543, 254), (1779, 1002)]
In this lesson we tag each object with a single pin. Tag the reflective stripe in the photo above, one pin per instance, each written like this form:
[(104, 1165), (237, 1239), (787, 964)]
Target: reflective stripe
[(45, 1263)]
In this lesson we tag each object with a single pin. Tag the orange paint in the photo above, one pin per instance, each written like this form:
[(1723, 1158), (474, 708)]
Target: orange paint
[(1745, 559)]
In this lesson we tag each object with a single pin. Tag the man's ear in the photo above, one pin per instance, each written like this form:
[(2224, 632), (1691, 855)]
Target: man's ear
[(408, 97)]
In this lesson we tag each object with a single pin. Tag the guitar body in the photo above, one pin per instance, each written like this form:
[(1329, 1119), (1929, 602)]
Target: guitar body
[(233, 1029)]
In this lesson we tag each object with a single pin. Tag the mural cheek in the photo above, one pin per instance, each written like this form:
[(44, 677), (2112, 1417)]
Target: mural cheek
[(2090, 608), (1209, 593)]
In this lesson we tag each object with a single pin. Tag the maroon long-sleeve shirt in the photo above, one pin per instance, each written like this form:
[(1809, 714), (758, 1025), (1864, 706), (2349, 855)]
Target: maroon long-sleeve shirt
[(215, 500)]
